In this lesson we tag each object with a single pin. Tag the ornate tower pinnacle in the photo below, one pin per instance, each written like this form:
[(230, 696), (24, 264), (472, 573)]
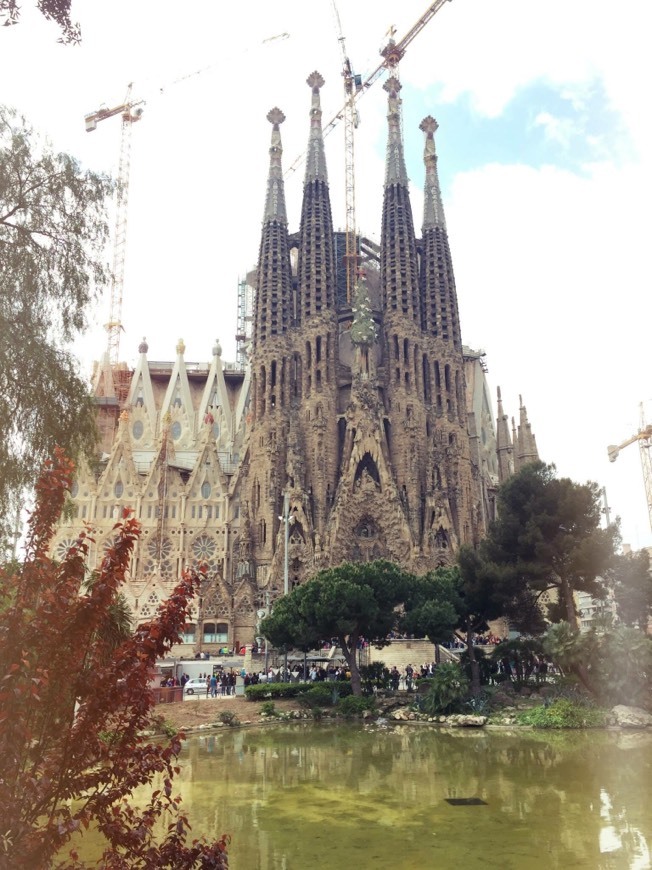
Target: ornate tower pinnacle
[(395, 172), (316, 160), (398, 260), (440, 315), (275, 202), (274, 280), (316, 268), (433, 209)]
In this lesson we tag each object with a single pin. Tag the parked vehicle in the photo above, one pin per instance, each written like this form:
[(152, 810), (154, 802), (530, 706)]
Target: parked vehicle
[(195, 687)]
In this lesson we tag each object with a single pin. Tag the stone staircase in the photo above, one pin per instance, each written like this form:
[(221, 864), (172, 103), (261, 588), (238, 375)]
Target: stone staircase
[(403, 652)]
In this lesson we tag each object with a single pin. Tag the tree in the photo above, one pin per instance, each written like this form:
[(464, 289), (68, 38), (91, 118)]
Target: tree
[(75, 704), (53, 232), (350, 602), (432, 605), (631, 582), (548, 534), (487, 591), (615, 667), (53, 10)]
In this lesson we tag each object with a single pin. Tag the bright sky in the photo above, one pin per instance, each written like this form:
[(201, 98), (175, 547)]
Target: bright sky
[(545, 147)]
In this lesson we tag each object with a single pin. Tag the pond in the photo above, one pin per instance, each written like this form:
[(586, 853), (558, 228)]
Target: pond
[(311, 797)]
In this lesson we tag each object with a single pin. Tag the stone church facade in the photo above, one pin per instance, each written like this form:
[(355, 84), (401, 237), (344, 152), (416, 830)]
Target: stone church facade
[(358, 429)]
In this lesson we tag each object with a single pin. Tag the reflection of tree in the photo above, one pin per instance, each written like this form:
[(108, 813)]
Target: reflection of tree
[(302, 791)]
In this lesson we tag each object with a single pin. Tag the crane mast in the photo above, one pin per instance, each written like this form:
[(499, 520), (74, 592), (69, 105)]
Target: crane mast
[(644, 438), (130, 112), (352, 85)]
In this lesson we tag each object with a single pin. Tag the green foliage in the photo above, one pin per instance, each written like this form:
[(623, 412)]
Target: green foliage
[(319, 695), (167, 728), (228, 717), (268, 708), (615, 666), (449, 688), (549, 536), (264, 691), (354, 706), (485, 666), (374, 676), (76, 707), (562, 713), (623, 661), (521, 653), (631, 582), (433, 605), (53, 232), (348, 602)]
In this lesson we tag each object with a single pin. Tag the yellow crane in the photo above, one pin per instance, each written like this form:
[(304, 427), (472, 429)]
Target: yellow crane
[(354, 88), (644, 438)]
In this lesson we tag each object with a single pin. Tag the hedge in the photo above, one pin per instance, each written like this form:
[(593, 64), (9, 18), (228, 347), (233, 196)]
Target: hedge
[(265, 691)]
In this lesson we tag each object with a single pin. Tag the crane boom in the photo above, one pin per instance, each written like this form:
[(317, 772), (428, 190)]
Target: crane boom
[(391, 54), (644, 438), (130, 112)]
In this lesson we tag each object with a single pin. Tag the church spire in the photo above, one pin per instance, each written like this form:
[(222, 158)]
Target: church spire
[(395, 172), (316, 268), (504, 449), (438, 294), (433, 209), (398, 263), (275, 202), (316, 160), (274, 284), (527, 446)]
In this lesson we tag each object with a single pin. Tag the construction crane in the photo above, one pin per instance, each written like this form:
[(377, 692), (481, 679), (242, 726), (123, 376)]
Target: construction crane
[(644, 438), (130, 111), (354, 88)]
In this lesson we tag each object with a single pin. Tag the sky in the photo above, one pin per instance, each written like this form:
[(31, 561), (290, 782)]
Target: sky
[(545, 163)]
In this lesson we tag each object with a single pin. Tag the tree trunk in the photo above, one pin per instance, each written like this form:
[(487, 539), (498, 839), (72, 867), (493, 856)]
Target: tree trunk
[(475, 667), (569, 603), (349, 651)]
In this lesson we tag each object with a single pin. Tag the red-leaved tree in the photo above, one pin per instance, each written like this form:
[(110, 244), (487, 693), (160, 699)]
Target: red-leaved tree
[(75, 707)]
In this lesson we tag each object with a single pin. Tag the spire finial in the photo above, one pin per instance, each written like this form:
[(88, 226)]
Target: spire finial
[(433, 208), (275, 202), (275, 116), (395, 171), (316, 159)]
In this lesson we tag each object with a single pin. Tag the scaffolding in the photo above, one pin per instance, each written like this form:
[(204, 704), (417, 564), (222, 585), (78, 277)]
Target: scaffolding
[(243, 334)]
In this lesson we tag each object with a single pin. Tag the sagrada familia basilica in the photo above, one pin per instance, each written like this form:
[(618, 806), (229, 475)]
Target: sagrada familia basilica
[(357, 428)]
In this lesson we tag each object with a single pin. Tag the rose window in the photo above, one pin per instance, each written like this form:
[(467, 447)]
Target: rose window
[(62, 548)]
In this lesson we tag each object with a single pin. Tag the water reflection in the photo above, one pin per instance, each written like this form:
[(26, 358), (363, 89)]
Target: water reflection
[(305, 797)]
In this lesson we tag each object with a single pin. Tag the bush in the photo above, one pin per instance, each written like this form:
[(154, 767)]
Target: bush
[(268, 708), (562, 713), (228, 717), (264, 691), (448, 690), (352, 706), (319, 695)]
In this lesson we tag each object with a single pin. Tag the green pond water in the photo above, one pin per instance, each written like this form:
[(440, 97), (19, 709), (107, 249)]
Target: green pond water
[(313, 797)]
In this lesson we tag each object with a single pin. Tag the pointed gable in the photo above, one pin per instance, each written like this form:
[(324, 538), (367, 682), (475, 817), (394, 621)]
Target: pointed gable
[(215, 408), (178, 402)]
